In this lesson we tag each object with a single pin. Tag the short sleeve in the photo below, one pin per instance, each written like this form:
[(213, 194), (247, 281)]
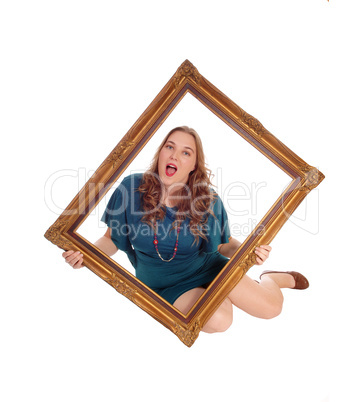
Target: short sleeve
[(115, 216), (217, 227)]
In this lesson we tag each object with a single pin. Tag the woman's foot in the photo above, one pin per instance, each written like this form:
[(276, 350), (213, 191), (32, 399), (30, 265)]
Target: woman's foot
[(287, 279)]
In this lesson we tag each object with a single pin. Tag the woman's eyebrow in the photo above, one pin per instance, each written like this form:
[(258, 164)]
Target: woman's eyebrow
[(189, 149)]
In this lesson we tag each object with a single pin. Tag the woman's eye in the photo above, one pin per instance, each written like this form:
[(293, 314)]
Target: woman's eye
[(187, 153)]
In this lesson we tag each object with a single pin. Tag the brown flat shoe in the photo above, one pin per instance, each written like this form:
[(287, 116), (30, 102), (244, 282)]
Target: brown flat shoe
[(301, 282)]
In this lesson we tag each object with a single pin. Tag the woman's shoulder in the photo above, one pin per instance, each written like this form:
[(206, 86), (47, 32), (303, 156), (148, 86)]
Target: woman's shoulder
[(126, 193), (132, 181)]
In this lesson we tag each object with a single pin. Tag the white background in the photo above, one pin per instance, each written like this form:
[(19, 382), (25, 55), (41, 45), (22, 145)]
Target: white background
[(75, 76)]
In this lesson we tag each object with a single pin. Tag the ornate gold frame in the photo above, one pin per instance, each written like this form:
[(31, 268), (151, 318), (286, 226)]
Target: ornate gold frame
[(187, 79)]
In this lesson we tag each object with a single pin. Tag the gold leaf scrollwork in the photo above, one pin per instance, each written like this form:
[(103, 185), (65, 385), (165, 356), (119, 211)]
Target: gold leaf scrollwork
[(188, 336), (312, 177), (54, 234), (253, 123), (247, 263), (187, 70), (121, 286), (118, 152)]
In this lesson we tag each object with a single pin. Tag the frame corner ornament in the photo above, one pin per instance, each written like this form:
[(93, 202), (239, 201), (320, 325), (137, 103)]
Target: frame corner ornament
[(186, 70), (188, 336), (313, 177), (55, 234)]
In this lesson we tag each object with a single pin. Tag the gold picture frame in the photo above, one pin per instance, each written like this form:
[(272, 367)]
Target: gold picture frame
[(187, 79)]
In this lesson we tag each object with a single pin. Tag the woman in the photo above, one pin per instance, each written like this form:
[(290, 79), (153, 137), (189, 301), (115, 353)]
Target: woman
[(174, 230)]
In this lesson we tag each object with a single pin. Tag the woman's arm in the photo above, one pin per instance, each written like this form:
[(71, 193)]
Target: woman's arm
[(105, 244), (228, 250)]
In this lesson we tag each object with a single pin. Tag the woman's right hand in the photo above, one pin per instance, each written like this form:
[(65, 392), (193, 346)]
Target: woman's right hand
[(73, 258)]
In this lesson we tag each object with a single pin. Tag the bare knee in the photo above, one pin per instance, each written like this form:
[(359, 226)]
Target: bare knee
[(221, 320), (272, 310), (271, 305)]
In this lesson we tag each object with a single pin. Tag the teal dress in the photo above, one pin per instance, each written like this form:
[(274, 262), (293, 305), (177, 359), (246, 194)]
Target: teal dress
[(194, 265)]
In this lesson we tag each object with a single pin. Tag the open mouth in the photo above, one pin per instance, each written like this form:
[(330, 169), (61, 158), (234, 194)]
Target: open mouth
[(170, 170)]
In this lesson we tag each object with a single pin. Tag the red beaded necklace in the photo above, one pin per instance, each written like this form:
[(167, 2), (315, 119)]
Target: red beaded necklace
[(155, 242)]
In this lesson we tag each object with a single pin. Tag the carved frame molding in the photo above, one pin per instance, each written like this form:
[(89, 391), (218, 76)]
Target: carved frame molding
[(187, 79)]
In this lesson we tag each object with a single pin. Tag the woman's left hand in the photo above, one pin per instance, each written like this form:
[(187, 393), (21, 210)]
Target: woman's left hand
[(262, 253)]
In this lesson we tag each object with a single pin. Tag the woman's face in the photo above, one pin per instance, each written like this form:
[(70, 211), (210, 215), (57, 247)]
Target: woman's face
[(177, 159)]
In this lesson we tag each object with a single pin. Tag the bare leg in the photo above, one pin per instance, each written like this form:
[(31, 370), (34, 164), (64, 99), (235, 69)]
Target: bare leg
[(264, 299), (220, 321)]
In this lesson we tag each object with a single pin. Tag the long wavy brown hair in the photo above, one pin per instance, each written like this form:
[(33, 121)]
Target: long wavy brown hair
[(195, 198)]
